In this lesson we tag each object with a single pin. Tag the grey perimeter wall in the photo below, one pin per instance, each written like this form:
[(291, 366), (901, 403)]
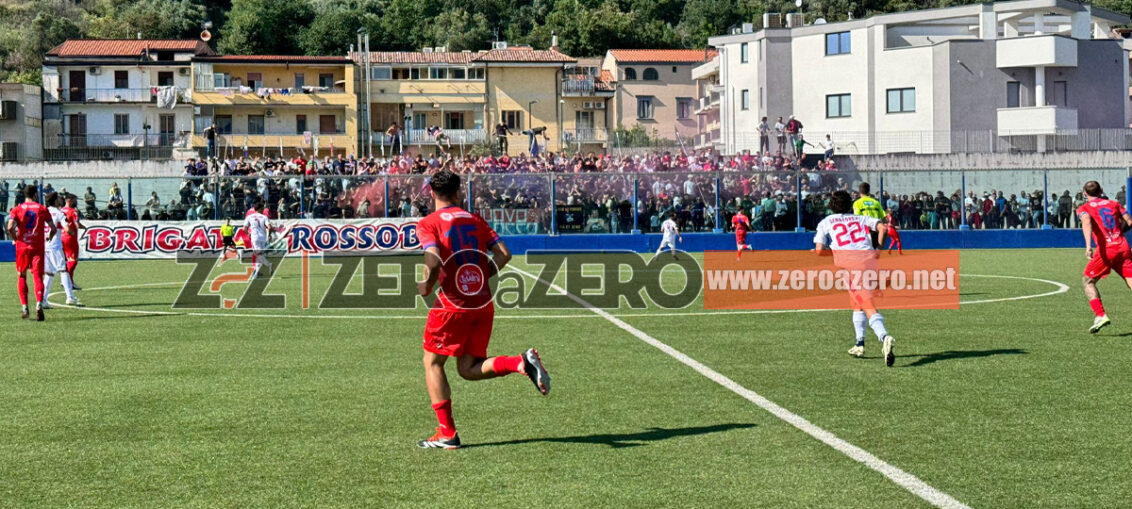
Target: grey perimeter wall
[(115, 169), (1048, 160)]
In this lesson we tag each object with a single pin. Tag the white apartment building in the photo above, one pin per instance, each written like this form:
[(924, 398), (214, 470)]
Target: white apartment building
[(1018, 75), (103, 99)]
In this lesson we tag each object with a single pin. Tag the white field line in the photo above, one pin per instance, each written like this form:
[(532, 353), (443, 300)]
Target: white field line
[(905, 480)]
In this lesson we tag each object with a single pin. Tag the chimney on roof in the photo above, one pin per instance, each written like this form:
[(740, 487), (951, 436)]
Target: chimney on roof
[(553, 41), (139, 35)]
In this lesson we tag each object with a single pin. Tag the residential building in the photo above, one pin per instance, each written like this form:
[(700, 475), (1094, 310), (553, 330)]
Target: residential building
[(1020, 75), (273, 105), (708, 92), (586, 93), (656, 90), (21, 122), (101, 97)]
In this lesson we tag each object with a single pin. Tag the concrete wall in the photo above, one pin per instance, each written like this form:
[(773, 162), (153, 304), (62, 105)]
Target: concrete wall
[(1081, 159), (100, 169)]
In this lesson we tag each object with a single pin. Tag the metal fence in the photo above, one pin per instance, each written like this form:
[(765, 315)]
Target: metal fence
[(569, 203), (951, 142)]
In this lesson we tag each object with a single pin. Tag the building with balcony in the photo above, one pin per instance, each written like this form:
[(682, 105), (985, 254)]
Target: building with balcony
[(118, 98), (272, 105), (1020, 75), (708, 98), (21, 122), (656, 90)]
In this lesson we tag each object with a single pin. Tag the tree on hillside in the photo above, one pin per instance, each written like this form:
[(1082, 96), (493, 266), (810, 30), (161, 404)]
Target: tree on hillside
[(265, 27)]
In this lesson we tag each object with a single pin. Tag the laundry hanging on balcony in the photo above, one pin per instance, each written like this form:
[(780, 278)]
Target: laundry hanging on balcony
[(167, 97)]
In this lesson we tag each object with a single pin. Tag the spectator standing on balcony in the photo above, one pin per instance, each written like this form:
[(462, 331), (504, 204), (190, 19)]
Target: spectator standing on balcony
[(394, 135), (764, 136), (501, 133), (793, 130), (210, 140), (780, 133), (827, 147)]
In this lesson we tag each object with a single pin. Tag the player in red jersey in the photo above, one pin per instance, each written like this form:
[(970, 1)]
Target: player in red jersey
[(456, 243), (71, 237), (742, 225), (890, 230), (27, 223), (1103, 222)]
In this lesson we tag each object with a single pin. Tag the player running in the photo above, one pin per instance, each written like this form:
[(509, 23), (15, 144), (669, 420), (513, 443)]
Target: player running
[(28, 222), (848, 235), (671, 233), (893, 234), (459, 324), (55, 261), (71, 236), (257, 225), (742, 225), (1104, 222)]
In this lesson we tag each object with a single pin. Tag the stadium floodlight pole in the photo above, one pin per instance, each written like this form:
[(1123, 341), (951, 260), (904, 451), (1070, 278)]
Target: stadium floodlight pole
[(718, 209), (636, 200), (963, 201), (1045, 200)]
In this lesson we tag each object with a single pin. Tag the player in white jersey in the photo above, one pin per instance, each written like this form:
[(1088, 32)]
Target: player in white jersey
[(671, 234), (257, 226), (54, 261), (850, 238)]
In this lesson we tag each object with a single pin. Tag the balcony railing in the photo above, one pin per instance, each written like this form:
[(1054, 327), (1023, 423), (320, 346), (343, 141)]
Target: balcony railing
[(946, 142), (455, 137), (107, 95), (585, 135), (114, 140), (578, 86), (207, 83)]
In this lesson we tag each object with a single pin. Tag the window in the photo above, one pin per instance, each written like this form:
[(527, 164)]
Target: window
[(458, 73), (1059, 96), (837, 43), (300, 124), (255, 124), (1013, 94), (165, 78), (300, 80), (743, 56), (683, 108), (901, 100), (584, 121), (326, 80), (454, 120), (420, 121), (475, 74), (837, 106), (166, 124), (745, 99), (121, 123), (400, 74), (630, 74), (326, 124), (221, 80), (121, 79), (513, 120), (673, 69), (644, 108), (255, 80), (437, 73), (650, 74), (223, 124), (415, 73), (382, 73)]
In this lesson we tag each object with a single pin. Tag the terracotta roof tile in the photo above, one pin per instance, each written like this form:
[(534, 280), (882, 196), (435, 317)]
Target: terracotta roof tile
[(604, 81), (126, 47), (525, 54), (666, 56)]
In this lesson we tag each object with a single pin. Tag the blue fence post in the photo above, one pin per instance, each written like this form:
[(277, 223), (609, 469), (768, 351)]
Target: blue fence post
[(386, 191), (963, 201), (303, 196), (215, 197), (718, 207), (798, 205), (471, 201), (636, 200), (553, 207), (129, 197), (1128, 190), (1045, 200), (880, 192)]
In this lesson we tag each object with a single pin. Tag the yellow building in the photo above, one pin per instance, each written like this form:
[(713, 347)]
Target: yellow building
[(468, 94), (275, 104)]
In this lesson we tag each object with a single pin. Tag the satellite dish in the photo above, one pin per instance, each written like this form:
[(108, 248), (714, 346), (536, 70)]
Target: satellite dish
[(819, 21), (205, 35), (797, 3)]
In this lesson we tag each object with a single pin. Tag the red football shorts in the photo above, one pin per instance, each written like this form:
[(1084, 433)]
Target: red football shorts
[(456, 333), (71, 249), (740, 238), (28, 258), (1110, 259)]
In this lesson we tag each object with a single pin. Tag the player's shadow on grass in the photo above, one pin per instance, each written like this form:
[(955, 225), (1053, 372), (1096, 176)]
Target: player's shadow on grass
[(618, 440), (950, 355)]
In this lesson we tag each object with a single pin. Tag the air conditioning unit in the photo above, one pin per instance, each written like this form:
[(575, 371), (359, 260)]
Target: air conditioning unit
[(499, 45), (772, 20), (9, 151), (95, 71), (8, 110), (184, 71), (599, 105), (269, 113), (795, 20), (440, 49), (587, 105), (748, 28), (426, 50)]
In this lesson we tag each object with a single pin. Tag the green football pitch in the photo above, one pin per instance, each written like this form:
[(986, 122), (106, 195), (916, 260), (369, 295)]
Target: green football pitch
[(1006, 402)]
